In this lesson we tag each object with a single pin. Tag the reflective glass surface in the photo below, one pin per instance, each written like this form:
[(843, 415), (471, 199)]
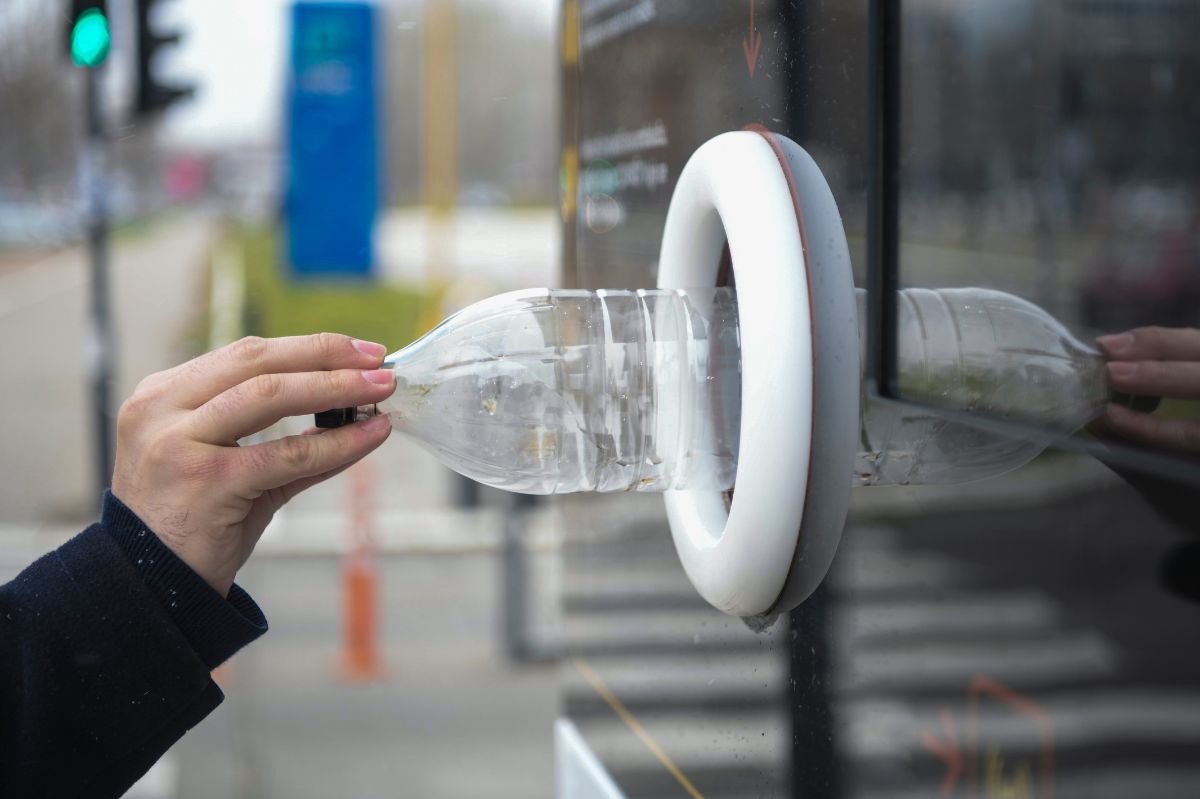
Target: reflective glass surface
[(1047, 151), (1030, 635)]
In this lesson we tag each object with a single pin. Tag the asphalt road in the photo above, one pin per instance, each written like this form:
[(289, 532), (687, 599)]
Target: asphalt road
[(45, 408)]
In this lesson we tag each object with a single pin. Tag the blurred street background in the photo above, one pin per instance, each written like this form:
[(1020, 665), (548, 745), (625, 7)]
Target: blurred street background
[(200, 144), (177, 174)]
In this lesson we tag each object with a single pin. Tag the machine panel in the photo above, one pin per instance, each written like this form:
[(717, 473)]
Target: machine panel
[(1031, 635)]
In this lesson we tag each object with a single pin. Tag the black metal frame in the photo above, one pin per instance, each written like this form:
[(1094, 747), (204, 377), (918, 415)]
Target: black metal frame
[(883, 269), (883, 200)]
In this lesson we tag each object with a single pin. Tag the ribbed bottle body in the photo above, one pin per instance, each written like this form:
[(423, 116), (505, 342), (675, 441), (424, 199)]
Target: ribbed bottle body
[(556, 391)]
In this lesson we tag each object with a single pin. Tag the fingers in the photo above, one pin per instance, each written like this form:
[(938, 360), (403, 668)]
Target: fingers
[(1156, 378), (263, 400), (1154, 431), (288, 460), (1153, 344), (199, 380), (296, 486)]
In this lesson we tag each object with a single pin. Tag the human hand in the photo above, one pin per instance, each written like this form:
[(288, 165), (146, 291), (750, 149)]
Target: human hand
[(178, 463), (1154, 361)]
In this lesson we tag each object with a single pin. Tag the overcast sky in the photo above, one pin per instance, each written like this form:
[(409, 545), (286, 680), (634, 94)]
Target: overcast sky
[(234, 49)]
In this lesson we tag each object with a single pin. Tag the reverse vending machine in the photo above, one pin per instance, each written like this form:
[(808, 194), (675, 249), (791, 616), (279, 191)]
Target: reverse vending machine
[(960, 555)]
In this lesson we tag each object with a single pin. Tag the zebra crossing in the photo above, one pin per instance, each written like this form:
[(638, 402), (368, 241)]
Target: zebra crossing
[(942, 682)]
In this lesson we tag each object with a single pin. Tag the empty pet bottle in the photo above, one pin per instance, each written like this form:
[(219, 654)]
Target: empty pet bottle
[(554, 391)]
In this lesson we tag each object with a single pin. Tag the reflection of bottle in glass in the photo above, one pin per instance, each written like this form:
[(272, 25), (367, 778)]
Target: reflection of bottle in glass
[(545, 391), (553, 391), (974, 350)]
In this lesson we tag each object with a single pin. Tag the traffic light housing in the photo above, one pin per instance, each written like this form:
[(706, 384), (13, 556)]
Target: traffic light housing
[(151, 95), (89, 35)]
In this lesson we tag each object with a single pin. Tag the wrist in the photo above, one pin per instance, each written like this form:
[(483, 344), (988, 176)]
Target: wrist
[(202, 561), (216, 623), (189, 547)]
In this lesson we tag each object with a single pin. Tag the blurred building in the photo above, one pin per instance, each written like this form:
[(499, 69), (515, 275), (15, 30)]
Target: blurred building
[(505, 104)]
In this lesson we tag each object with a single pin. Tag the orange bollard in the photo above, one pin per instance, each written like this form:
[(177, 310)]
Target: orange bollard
[(361, 659), (360, 643)]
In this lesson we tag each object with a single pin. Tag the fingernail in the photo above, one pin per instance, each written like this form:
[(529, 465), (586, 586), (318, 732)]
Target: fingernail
[(369, 348), (1116, 343), (376, 423), (380, 377), (1122, 370)]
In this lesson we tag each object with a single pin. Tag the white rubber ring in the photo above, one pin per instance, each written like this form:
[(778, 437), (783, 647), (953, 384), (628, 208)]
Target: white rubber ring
[(737, 190)]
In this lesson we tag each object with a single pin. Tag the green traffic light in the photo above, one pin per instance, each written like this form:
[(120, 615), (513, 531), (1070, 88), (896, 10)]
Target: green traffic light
[(90, 39)]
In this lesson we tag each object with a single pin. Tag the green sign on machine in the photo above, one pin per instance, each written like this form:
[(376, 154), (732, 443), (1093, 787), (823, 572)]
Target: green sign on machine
[(91, 38)]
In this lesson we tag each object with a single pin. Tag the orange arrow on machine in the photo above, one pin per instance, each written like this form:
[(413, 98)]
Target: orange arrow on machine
[(752, 44), (947, 751)]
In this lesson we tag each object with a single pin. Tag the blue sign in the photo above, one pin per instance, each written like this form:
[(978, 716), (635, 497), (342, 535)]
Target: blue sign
[(333, 160)]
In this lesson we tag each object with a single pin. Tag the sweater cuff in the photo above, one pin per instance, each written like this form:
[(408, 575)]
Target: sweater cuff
[(215, 626)]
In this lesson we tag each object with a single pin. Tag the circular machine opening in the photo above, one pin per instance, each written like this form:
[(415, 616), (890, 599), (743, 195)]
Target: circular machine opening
[(728, 404)]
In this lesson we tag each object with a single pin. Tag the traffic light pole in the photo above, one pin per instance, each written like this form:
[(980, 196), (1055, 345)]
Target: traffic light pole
[(100, 348)]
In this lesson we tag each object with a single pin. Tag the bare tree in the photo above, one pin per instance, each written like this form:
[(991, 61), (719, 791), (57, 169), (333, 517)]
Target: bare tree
[(40, 127)]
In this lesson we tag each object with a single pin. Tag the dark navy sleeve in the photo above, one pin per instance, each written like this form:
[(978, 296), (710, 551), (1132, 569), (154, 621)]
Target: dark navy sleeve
[(215, 626), (106, 649)]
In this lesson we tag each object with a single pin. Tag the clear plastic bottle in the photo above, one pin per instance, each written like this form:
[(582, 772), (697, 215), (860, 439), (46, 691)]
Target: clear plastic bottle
[(978, 351), (555, 391)]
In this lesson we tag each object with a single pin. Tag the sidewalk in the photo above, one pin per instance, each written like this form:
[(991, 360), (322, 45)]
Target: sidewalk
[(450, 719)]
